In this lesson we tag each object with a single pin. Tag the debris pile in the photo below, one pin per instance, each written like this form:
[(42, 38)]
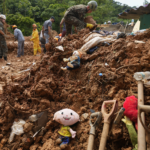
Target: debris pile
[(47, 88)]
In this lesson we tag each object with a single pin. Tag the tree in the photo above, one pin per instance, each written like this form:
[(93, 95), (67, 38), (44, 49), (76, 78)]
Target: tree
[(23, 23), (25, 12)]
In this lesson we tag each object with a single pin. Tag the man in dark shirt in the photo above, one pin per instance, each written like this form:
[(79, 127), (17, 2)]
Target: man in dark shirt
[(75, 16), (47, 29)]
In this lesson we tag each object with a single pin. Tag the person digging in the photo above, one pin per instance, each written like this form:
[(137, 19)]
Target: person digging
[(74, 16), (73, 61), (19, 36), (35, 40)]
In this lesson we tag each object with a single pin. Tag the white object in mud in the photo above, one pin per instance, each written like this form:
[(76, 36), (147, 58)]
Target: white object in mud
[(136, 41), (60, 48), (17, 129), (33, 118)]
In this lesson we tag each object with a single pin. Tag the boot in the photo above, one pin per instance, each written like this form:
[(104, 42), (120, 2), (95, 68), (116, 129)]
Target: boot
[(63, 146), (5, 58), (58, 141)]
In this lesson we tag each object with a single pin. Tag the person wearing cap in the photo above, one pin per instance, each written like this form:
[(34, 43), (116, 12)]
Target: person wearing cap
[(35, 40), (3, 45), (19, 36), (75, 16), (47, 29), (109, 22)]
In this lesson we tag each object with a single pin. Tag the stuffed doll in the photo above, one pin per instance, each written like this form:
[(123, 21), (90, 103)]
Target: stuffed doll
[(73, 61), (66, 117), (131, 110)]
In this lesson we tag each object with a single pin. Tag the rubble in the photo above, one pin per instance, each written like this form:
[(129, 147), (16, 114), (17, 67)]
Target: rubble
[(47, 87)]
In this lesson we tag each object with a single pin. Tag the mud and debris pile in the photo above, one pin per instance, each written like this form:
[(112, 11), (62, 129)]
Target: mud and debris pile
[(49, 88), (70, 43)]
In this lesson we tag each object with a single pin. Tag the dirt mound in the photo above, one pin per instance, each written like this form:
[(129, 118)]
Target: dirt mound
[(70, 43), (49, 88)]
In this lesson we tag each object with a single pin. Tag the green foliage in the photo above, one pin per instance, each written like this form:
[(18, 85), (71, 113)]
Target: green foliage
[(24, 13), (23, 23)]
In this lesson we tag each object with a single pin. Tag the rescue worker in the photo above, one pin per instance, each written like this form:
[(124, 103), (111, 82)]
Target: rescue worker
[(19, 36), (35, 40), (63, 29), (3, 46), (75, 16), (109, 22), (47, 29)]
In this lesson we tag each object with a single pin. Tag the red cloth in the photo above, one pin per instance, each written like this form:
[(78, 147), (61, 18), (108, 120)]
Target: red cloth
[(130, 106)]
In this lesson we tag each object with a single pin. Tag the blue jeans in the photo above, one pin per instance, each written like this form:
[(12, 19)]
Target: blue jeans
[(75, 66), (46, 37), (64, 139)]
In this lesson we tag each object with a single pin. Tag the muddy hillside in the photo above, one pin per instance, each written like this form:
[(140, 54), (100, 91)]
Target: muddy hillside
[(48, 88)]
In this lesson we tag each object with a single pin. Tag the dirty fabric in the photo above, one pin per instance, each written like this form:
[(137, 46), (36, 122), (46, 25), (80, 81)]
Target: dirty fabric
[(90, 51), (3, 46), (75, 16)]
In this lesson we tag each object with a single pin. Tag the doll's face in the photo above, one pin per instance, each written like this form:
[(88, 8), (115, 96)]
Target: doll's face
[(75, 53), (66, 117)]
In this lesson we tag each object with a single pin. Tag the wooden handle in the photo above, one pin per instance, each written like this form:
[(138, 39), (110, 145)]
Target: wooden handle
[(143, 108), (104, 136), (90, 142), (107, 116), (141, 130)]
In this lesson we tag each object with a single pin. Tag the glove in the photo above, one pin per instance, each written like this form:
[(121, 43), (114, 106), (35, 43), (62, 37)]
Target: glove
[(131, 130), (127, 121), (88, 25), (65, 60)]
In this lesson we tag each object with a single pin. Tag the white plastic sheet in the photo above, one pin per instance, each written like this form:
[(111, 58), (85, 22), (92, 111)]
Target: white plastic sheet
[(60, 48), (93, 35), (94, 42)]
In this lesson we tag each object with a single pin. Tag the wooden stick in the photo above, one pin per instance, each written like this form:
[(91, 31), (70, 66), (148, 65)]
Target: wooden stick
[(141, 130)]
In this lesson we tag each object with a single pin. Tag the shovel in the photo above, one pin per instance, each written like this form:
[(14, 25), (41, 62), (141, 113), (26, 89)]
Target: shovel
[(145, 108), (93, 128), (107, 120), (141, 117)]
